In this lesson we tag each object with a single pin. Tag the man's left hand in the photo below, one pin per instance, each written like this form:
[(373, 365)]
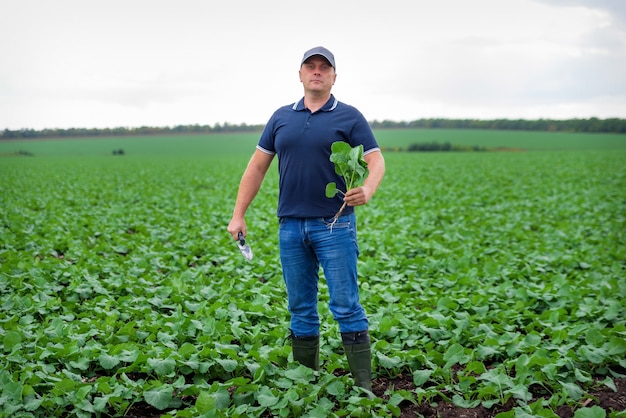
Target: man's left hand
[(357, 196)]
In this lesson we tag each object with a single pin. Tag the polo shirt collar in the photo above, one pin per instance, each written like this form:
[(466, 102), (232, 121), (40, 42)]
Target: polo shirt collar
[(331, 104)]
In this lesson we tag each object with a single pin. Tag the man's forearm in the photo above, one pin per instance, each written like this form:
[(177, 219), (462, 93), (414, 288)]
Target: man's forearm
[(248, 188), (376, 166), (251, 181)]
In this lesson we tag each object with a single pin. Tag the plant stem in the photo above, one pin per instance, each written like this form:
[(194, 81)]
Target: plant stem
[(337, 215)]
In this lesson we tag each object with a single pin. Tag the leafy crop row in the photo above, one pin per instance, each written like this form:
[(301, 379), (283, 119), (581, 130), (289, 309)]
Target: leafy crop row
[(487, 278)]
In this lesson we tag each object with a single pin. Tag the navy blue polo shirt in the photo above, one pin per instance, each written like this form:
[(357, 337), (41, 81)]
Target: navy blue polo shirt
[(302, 142)]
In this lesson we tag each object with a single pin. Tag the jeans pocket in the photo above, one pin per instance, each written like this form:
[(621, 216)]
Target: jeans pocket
[(341, 223)]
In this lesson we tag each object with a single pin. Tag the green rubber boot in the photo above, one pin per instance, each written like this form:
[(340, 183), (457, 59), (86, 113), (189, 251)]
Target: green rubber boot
[(358, 350), (306, 351)]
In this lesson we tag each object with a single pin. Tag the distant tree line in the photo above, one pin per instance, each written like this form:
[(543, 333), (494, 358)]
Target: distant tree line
[(123, 131), (591, 125)]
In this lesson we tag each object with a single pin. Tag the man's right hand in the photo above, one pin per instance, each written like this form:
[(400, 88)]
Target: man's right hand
[(235, 226), (248, 187)]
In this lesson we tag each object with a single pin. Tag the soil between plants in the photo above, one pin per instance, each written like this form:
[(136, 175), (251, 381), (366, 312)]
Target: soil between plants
[(603, 397)]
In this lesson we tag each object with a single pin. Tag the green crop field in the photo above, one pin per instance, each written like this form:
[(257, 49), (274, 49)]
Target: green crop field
[(491, 279), (243, 143)]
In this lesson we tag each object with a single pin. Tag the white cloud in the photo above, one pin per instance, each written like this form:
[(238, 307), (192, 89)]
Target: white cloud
[(72, 63)]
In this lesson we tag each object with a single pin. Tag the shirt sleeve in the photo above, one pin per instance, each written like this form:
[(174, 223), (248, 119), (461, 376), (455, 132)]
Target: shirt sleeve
[(362, 134), (266, 141)]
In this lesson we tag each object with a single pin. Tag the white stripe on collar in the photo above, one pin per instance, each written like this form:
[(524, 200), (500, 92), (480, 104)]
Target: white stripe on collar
[(335, 103)]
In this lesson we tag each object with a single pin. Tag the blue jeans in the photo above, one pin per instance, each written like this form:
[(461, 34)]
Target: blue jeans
[(307, 243)]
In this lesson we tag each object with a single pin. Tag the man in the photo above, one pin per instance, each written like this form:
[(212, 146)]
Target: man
[(301, 135)]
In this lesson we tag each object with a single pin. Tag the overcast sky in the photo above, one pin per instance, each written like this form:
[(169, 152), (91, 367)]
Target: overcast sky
[(76, 63)]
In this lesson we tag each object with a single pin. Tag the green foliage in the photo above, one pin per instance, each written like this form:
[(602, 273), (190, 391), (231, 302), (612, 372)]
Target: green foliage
[(488, 278), (349, 164)]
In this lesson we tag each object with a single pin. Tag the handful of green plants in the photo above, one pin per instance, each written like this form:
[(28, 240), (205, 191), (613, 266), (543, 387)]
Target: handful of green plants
[(350, 165)]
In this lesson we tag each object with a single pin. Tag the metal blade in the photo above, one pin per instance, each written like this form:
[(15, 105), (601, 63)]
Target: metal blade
[(245, 249)]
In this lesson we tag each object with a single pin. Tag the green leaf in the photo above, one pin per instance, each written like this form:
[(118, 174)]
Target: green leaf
[(228, 364), (497, 377), (159, 397), (323, 409), (11, 339), (82, 363), (455, 354), (336, 388), (162, 367), (100, 403), (187, 349), (205, 402), (388, 362), (82, 392), (266, 398), (218, 398), (593, 354), (615, 346), (486, 351), (331, 190), (610, 383), (421, 376), (573, 390), (349, 164), (32, 403), (583, 376), (13, 390), (594, 337), (475, 367), (539, 410), (520, 391), (300, 374), (461, 402), (593, 412), (107, 361)]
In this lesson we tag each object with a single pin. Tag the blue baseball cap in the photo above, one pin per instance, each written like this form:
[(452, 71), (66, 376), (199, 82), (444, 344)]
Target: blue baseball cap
[(319, 50)]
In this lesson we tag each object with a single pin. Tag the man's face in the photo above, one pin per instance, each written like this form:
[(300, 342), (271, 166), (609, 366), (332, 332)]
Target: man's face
[(317, 75)]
